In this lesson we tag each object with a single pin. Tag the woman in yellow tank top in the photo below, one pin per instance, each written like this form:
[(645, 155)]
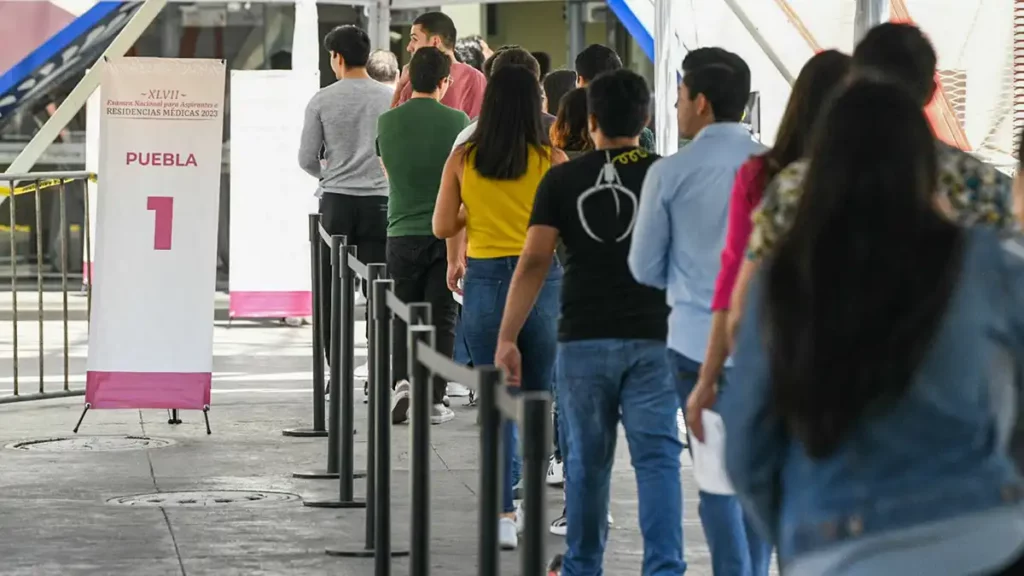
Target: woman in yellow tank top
[(485, 200)]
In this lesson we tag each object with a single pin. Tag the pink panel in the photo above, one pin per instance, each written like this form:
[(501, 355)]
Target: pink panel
[(270, 304), (182, 390)]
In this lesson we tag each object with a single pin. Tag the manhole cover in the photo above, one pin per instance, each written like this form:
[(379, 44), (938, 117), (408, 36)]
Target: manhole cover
[(205, 498), (92, 444)]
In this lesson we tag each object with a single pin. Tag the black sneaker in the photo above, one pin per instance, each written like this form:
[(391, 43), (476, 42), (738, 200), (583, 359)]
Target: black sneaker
[(555, 566)]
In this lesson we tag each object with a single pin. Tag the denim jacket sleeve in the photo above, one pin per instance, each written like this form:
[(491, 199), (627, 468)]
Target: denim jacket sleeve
[(755, 439)]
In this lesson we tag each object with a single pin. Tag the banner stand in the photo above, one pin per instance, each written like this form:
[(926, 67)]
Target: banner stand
[(152, 315)]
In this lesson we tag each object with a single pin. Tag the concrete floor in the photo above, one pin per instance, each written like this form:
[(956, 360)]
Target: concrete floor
[(54, 518)]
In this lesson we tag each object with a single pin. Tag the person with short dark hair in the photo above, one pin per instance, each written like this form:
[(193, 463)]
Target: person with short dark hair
[(487, 192), (417, 260), (467, 88), (679, 237), (469, 52), (383, 67), (877, 367), (592, 203), (969, 190), (595, 60), (341, 120)]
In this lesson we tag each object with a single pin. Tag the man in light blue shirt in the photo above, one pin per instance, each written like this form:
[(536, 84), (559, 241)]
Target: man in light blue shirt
[(677, 245)]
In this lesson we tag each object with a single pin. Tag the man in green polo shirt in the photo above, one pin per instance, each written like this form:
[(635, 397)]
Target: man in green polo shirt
[(413, 142)]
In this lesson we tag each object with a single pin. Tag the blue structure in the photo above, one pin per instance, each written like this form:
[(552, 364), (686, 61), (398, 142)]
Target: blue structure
[(62, 56)]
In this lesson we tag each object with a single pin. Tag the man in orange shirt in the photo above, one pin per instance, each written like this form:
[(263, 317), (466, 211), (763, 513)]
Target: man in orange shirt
[(467, 86)]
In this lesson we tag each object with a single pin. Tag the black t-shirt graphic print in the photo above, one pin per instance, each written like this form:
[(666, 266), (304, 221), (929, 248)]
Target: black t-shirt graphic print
[(593, 202)]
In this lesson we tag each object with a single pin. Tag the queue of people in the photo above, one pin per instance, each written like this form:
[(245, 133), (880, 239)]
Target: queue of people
[(845, 300)]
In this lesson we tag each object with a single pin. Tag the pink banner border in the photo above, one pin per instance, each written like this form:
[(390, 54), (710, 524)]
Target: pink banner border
[(251, 304), (156, 390)]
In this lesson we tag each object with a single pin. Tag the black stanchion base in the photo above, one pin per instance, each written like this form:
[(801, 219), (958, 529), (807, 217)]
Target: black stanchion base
[(362, 553), (324, 475), (356, 503), (304, 433)]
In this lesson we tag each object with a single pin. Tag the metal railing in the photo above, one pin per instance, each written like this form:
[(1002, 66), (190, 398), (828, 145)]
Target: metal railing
[(498, 404), (13, 186)]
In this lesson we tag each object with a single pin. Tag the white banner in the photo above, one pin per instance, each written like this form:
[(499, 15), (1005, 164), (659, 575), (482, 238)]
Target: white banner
[(151, 336), (93, 110), (271, 197)]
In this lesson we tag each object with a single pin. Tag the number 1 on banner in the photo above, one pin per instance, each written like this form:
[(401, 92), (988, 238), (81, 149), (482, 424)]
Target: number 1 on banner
[(163, 215)]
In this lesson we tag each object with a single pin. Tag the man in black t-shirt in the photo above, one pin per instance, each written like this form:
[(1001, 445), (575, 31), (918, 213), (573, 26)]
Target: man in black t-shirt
[(611, 352)]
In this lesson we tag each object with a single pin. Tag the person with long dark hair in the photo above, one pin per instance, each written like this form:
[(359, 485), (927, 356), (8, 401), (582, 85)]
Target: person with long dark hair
[(486, 196), (876, 361), (818, 79), (570, 131)]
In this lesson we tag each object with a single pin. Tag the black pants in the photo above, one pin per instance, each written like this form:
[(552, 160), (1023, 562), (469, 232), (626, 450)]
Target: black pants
[(363, 220), (419, 265)]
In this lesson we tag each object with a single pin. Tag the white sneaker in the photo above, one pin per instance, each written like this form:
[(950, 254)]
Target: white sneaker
[(362, 372), (456, 390), (400, 403), (293, 322), (555, 475), (439, 413), (508, 539), (520, 517)]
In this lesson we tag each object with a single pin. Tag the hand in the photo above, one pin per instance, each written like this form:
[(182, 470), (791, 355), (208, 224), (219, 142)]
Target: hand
[(403, 78), (701, 398), (508, 358), (456, 270)]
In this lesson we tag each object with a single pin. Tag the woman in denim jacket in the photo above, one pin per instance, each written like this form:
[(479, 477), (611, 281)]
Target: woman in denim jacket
[(875, 392)]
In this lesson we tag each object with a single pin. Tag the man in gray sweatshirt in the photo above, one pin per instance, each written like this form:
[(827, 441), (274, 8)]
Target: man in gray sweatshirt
[(341, 121)]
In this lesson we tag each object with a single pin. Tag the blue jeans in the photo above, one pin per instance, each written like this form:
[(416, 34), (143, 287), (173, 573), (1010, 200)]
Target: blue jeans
[(597, 381), (484, 291), (736, 548)]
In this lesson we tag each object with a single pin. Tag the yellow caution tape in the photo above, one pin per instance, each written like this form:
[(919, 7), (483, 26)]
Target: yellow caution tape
[(41, 185)]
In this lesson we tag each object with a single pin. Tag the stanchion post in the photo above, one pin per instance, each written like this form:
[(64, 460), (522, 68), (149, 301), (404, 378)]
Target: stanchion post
[(319, 429), (421, 389), (341, 422), (347, 344), (491, 422), (378, 468), (536, 439), (374, 272), (335, 357), (382, 318)]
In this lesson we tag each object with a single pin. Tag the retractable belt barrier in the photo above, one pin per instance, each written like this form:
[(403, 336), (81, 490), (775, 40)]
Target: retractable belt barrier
[(497, 403)]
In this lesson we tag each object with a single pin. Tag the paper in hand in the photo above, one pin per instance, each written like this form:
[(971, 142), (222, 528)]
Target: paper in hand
[(709, 457)]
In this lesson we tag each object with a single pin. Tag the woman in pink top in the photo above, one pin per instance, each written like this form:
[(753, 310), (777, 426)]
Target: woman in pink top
[(817, 80)]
